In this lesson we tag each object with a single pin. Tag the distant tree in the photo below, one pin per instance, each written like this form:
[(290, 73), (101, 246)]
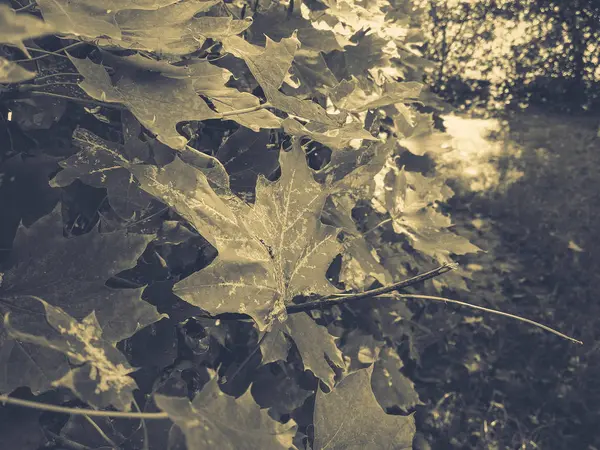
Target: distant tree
[(515, 51)]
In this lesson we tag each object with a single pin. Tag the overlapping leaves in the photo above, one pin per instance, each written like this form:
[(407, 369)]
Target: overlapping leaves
[(71, 291)]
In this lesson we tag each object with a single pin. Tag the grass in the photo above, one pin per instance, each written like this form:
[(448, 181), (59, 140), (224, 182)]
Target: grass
[(491, 383)]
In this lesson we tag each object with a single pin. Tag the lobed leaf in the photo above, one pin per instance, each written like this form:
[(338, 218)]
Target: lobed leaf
[(214, 419), (76, 286), (349, 417)]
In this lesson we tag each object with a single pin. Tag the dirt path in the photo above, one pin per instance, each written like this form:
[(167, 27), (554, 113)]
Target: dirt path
[(530, 196)]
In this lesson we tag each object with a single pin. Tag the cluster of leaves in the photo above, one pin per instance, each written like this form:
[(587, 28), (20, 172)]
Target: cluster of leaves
[(514, 51), (232, 160)]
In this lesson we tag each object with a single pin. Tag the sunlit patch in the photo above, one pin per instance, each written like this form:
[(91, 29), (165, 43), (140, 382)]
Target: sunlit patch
[(479, 162)]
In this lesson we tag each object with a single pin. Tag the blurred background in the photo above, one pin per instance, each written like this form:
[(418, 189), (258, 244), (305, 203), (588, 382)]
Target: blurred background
[(524, 79)]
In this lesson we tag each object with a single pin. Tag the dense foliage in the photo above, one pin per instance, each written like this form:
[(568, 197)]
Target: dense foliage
[(515, 52), (191, 191)]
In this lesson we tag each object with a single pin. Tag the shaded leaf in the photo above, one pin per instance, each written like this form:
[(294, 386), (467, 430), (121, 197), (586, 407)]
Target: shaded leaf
[(101, 376), (390, 386), (160, 26), (11, 72), (315, 345), (246, 155), (76, 286), (410, 199), (158, 102), (209, 81), (214, 419), (104, 164), (270, 66), (25, 195), (16, 28), (361, 348), (349, 417)]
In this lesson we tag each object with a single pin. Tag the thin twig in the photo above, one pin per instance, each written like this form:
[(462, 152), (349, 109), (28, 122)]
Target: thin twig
[(25, 8), (75, 99), (337, 299), (244, 111), (47, 53), (81, 411), (57, 74), (144, 428), (67, 443), (100, 431), (492, 311)]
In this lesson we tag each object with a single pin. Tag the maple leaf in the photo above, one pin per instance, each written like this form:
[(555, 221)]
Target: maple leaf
[(101, 376), (104, 164), (276, 23), (315, 345), (209, 80), (76, 285), (15, 28), (390, 386), (91, 18), (214, 419), (333, 137), (410, 202), (11, 72), (268, 253), (161, 26), (349, 417), (421, 137), (270, 66), (352, 96), (158, 102)]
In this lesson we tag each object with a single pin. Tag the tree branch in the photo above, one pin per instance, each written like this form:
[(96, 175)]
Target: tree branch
[(337, 299)]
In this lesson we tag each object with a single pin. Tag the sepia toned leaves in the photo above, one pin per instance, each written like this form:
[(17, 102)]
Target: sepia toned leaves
[(270, 66), (11, 72), (214, 419), (104, 164), (349, 417), (101, 373), (315, 345), (76, 286), (158, 102), (16, 28)]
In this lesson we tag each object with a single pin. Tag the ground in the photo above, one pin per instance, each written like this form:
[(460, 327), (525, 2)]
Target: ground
[(529, 194)]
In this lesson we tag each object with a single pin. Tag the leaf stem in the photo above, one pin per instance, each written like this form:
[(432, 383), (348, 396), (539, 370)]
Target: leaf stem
[(100, 431), (47, 53), (81, 411), (75, 99), (244, 111), (337, 299), (57, 74)]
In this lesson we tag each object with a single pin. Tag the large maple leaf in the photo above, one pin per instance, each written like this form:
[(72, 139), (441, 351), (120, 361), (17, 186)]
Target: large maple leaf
[(70, 274), (269, 252), (216, 420), (349, 417)]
